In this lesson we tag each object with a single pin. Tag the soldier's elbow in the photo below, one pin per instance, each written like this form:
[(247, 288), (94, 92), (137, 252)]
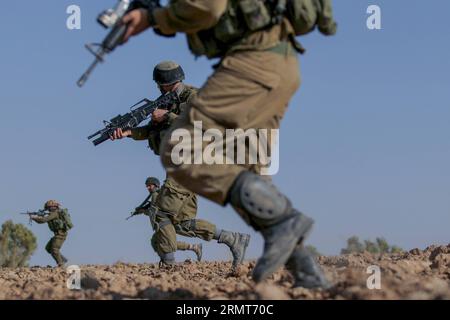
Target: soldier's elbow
[(216, 13), (213, 11)]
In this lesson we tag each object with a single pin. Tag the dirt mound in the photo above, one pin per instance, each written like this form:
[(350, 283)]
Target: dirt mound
[(417, 274)]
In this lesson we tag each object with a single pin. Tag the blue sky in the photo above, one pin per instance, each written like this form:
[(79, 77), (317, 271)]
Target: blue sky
[(364, 146)]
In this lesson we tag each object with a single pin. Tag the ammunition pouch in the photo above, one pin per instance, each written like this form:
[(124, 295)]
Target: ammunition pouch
[(305, 15), (243, 17), (56, 225), (62, 223)]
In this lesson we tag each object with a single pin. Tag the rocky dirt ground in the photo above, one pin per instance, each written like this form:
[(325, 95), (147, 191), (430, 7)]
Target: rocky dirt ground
[(417, 274)]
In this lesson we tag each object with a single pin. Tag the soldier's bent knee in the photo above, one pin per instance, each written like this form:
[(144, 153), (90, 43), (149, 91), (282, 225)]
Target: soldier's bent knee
[(259, 198)]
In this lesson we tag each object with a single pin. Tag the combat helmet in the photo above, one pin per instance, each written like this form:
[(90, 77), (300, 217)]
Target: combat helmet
[(167, 73), (51, 203), (152, 180)]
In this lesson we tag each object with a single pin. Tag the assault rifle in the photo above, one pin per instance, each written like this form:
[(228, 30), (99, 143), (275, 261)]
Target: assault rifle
[(138, 113), (112, 19), (140, 209), (40, 213)]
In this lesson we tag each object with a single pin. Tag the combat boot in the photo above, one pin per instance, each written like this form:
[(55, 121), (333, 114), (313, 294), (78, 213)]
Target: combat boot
[(167, 260), (237, 242), (61, 261), (305, 269), (198, 249), (259, 202)]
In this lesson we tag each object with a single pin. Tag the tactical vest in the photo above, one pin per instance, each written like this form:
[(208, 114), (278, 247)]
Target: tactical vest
[(62, 223), (244, 17), (159, 130)]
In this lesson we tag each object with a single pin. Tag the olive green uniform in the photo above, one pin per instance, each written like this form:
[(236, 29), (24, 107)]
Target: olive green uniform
[(162, 240), (176, 204), (250, 88), (57, 226)]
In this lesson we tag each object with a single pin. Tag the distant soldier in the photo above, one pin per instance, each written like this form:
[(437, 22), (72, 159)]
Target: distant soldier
[(152, 184), (181, 220), (178, 204), (60, 223)]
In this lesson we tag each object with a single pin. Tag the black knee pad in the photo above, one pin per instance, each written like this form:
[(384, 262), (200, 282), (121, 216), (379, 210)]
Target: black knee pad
[(259, 199)]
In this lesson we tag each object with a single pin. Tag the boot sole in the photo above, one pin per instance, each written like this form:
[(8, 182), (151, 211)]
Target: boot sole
[(311, 281), (302, 229), (310, 285)]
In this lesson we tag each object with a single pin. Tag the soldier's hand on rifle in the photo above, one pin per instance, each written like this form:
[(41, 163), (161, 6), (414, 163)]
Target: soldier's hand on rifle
[(120, 134), (159, 115), (137, 21)]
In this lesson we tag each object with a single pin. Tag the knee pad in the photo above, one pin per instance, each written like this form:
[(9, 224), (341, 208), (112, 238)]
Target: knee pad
[(259, 199)]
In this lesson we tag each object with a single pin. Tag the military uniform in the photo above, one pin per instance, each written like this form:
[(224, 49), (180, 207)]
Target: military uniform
[(59, 227), (178, 208), (176, 205), (154, 132), (178, 202), (257, 75), (163, 240), (249, 89)]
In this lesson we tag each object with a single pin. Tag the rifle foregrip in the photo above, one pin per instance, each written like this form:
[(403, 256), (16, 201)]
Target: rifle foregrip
[(115, 37), (100, 140)]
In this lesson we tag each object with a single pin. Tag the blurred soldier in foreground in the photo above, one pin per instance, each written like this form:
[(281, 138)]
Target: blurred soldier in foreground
[(257, 75)]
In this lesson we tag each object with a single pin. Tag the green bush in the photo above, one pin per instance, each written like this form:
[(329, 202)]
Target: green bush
[(17, 244), (354, 245)]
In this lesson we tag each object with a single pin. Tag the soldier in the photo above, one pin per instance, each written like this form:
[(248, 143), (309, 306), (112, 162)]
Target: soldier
[(257, 75), (152, 184), (59, 223), (177, 206)]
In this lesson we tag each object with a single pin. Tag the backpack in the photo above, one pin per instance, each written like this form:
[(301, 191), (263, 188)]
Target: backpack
[(66, 219), (305, 15)]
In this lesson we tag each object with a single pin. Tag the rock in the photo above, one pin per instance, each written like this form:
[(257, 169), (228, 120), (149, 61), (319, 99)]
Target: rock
[(270, 292), (418, 274), (89, 281)]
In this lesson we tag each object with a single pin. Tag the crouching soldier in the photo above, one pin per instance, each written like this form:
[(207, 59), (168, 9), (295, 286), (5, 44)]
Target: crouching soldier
[(152, 185), (173, 212)]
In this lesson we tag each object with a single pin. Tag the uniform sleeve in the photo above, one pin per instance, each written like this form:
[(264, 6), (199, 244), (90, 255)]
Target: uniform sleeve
[(52, 216), (189, 16), (171, 117), (140, 133)]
